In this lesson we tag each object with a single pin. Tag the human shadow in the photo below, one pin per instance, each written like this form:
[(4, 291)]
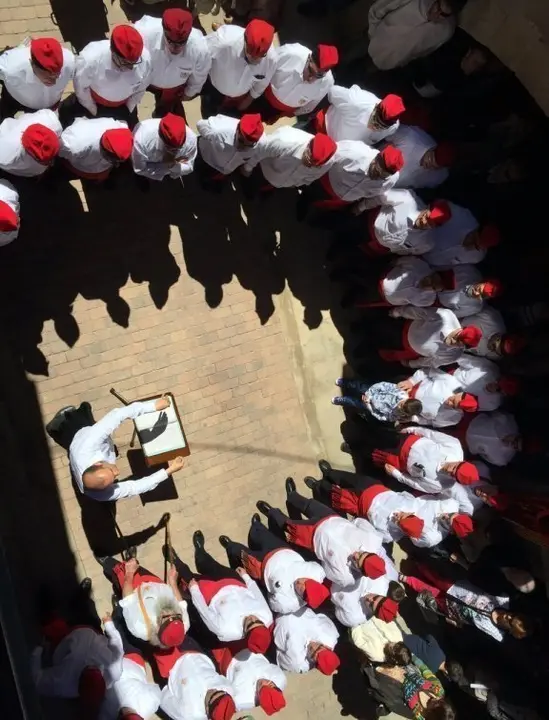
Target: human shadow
[(135, 10), (349, 684), (80, 24)]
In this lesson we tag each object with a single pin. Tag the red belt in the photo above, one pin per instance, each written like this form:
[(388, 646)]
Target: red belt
[(107, 103), (354, 503), (400, 461), (210, 588), (86, 175), (320, 122), (405, 450), (169, 94), (277, 104), (335, 201)]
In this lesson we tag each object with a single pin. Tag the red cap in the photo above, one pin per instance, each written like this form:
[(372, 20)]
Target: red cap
[(91, 687), (447, 279), (173, 130), (259, 37), (171, 633), (327, 56), (315, 593), (509, 385), (467, 474), (40, 142), (440, 212), (251, 128), (468, 403), (386, 610), (462, 525), (411, 526), (513, 344), (127, 42), (177, 24), (258, 640), (118, 142), (373, 566), (327, 661), (445, 154), (223, 709), (492, 288), (48, 53), (271, 700), (489, 236), (391, 108), (392, 159), (322, 149), (9, 221), (470, 336)]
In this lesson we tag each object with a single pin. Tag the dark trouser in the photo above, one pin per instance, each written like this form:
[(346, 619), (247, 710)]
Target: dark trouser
[(9, 106), (261, 541), (63, 427), (207, 567), (208, 177), (386, 333), (299, 505), (269, 114), (70, 109), (349, 480), (82, 611), (213, 102), (163, 105), (108, 568)]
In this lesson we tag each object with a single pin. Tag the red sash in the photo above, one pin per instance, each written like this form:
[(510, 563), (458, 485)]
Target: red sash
[(303, 535), (400, 461), (407, 353), (136, 658), (354, 503), (169, 94), (107, 103), (86, 175), (120, 570), (277, 104), (320, 122), (210, 588), (334, 202)]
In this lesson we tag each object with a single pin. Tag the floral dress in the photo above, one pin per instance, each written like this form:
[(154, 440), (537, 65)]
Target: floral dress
[(418, 678)]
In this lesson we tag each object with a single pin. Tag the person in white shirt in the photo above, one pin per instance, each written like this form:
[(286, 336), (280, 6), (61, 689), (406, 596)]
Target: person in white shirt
[(493, 436), (461, 240), (180, 58), (468, 291), (133, 695), (482, 378), (441, 518), (402, 30), (243, 64), (492, 325), (92, 456), (305, 640), (426, 162), (163, 148), (111, 76), (291, 582), (34, 76), (92, 148), (300, 82), (473, 497), (356, 114), (29, 143), (9, 213)]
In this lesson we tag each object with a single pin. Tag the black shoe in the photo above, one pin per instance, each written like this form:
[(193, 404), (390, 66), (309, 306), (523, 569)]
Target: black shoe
[(129, 553), (256, 518), (86, 585), (225, 541), (290, 486), (198, 540), (163, 521), (263, 507), (311, 483), (325, 467), (346, 448), (313, 8)]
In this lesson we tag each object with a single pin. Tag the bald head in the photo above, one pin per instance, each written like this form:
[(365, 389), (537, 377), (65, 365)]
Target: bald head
[(99, 476)]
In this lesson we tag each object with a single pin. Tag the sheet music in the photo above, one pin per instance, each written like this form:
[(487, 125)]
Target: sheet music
[(160, 431)]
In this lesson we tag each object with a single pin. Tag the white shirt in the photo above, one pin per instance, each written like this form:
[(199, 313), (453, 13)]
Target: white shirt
[(474, 374), (413, 143), (294, 632), (14, 158), (10, 196), (485, 435), (244, 671), (94, 444), (132, 690), (230, 74), (151, 595), (434, 387), (464, 495), (281, 571), (336, 539), (225, 614), (81, 144), (428, 330), (349, 174), (475, 598), (218, 145), (83, 647), (400, 32), (190, 67), (449, 248), (190, 679), (382, 510), (457, 299), (401, 284), (429, 509), (491, 322), (24, 86), (349, 113), (288, 85), (95, 70), (394, 225), (150, 157)]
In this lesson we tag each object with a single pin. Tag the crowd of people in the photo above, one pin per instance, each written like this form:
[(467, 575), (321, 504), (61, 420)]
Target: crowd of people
[(439, 359)]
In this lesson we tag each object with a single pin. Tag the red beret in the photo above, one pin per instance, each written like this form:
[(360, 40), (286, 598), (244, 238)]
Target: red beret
[(259, 37), (40, 142), (373, 566), (258, 640), (467, 473), (411, 526), (327, 661), (509, 385), (468, 403), (492, 288), (173, 130), (470, 336), (322, 149), (440, 212), (9, 220), (392, 159), (327, 56), (315, 593), (118, 142), (251, 127), (386, 610), (445, 154), (271, 700), (223, 709), (513, 344), (91, 687), (489, 236), (391, 108), (127, 42), (48, 53), (447, 279), (177, 24), (171, 632), (462, 525)]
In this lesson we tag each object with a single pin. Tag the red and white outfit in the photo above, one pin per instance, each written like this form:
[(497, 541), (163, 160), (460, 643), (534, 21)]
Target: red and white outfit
[(491, 322), (17, 159), (279, 571), (133, 690), (473, 374), (294, 632), (413, 143), (218, 145), (429, 509), (153, 159), (9, 213), (349, 113), (449, 248), (244, 671), (81, 148), (485, 434), (464, 495), (401, 285), (433, 388), (457, 299)]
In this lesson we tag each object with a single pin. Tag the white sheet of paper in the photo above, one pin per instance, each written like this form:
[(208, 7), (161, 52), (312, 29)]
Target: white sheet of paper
[(171, 437)]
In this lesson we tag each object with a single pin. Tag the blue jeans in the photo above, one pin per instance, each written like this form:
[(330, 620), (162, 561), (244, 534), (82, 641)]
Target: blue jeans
[(352, 391)]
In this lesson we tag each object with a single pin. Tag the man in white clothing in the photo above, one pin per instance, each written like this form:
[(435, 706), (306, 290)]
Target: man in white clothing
[(482, 378), (30, 143), (441, 518), (426, 163), (495, 437), (163, 148), (243, 64), (180, 58), (492, 325), (92, 456), (305, 640), (468, 291), (133, 695), (34, 76), (461, 240), (9, 213)]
